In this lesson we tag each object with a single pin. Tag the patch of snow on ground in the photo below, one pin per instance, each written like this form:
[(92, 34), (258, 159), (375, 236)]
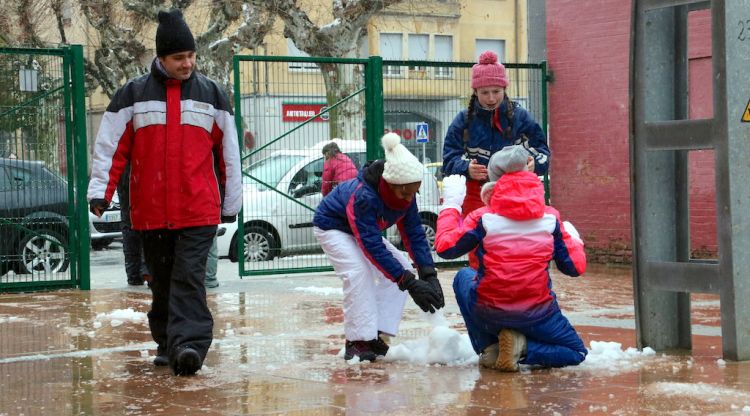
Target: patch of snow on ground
[(609, 356), (11, 319), (699, 391), (326, 291), (118, 316)]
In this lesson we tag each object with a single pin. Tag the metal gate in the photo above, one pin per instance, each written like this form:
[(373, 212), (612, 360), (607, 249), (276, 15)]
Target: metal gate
[(43, 165), (287, 109)]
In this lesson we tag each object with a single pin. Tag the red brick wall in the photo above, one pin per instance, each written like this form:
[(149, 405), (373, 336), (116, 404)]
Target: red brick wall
[(588, 51), (702, 180)]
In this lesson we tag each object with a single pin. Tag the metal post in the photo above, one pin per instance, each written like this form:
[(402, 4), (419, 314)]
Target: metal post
[(731, 60), (662, 316), (81, 166), (375, 123)]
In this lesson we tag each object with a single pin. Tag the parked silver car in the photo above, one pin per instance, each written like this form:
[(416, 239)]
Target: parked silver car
[(278, 209)]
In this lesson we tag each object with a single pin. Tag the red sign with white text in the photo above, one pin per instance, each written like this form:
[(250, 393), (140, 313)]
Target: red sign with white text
[(295, 112)]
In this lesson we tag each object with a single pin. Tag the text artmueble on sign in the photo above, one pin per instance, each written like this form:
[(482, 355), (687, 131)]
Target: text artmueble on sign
[(297, 112)]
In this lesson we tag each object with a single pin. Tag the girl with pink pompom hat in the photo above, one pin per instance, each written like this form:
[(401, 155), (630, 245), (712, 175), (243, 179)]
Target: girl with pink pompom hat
[(490, 122)]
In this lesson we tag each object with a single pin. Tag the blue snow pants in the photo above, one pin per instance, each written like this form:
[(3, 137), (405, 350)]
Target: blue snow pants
[(550, 342)]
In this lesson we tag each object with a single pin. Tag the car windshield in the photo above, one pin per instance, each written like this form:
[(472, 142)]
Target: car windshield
[(270, 170)]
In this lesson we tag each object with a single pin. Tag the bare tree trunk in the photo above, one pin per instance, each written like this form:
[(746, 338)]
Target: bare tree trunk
[(338, 39), (347, 119)]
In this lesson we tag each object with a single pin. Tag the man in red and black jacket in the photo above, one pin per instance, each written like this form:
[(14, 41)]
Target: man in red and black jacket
[(175, 128)]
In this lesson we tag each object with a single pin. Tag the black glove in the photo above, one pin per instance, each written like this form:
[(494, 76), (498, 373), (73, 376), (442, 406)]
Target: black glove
[(429, 275), (98, 205), (422, 292), (228, 218)]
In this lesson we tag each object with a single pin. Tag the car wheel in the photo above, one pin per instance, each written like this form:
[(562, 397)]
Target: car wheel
[(101, 243), (260, 244), (44, 251), (430, 231)]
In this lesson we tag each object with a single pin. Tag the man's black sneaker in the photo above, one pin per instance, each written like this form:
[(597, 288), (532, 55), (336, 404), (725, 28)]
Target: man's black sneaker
[(379, 346), (186, 362), (135, 282), (361, 349), (162, 358)]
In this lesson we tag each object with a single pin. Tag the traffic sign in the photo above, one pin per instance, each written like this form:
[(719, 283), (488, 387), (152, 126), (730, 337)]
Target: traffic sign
[(423, 131)]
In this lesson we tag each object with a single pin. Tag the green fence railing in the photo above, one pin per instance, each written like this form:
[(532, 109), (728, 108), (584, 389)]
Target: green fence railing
[(287, 108), (43, 165)]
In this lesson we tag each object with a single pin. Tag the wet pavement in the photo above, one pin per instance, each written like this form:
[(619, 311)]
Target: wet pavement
[(276, 347)]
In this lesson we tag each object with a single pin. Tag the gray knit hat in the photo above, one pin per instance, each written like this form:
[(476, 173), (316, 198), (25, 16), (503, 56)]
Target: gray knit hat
[(508, 159)]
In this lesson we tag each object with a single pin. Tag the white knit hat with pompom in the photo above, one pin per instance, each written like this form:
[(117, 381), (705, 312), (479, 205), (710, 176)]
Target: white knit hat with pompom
[(401, 167)]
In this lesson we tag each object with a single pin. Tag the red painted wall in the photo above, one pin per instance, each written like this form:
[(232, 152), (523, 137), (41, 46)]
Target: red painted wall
[(588, 52), (702, 180)]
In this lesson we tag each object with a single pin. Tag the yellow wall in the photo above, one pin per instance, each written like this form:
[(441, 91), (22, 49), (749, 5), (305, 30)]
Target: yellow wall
[(464, 20)]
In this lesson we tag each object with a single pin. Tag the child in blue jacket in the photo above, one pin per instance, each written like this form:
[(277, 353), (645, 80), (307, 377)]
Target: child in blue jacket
[(349, 223), (510, 310), (491, 122)]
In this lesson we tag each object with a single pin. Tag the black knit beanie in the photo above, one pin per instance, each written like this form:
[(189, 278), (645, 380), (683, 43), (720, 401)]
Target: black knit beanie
[(173, 34)]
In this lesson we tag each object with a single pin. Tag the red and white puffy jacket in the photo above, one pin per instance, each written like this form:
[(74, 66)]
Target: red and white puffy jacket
[(516, 236), (180, 140)]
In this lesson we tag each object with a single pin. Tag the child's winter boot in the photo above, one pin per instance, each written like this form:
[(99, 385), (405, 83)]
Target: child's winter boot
[(512, 348), (488, 356), (361, 349)]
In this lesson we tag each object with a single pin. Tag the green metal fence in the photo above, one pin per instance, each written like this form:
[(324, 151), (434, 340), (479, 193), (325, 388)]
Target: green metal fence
[(43, 170), (288, 108), (434, 92)]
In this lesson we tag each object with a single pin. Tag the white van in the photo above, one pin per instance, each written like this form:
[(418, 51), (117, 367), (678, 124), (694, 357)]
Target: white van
[(279, 206)]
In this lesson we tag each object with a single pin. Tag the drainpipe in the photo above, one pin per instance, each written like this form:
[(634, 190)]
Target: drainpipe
[(515, 28)]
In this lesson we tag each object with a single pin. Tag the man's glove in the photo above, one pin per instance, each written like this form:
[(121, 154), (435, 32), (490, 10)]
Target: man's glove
[(228, 218), (421, 291), (98, 205), (454, 192), (429, 274)]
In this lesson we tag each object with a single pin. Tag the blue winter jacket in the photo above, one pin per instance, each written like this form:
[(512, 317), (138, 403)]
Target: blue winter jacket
[(485, 140), (355, 207)]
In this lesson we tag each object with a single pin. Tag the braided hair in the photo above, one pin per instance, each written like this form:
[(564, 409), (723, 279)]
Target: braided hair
[(510, 106), (472, 105)]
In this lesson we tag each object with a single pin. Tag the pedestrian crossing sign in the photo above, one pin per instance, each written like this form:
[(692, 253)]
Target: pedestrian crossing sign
[(423, 135)]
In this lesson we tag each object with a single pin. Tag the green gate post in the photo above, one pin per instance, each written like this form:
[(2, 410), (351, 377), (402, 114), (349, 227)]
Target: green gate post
[(237, 97), (546, 78), (375, 119), (81, 167)]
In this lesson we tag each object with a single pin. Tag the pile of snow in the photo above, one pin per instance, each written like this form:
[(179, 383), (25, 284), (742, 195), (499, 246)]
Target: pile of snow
[(442, 346), (609, 356), (118, 316)]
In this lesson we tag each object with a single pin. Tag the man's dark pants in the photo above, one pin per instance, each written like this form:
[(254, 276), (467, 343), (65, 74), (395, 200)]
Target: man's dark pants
[(135, 266), (179, 315)]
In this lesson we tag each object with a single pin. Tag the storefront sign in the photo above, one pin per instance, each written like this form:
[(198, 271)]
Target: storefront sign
[(297, 113)]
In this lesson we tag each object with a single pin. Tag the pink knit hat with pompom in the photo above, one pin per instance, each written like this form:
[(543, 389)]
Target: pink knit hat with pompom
[(488, 72)]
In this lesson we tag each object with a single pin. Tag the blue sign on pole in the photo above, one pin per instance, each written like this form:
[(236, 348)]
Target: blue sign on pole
[(423, 133)]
